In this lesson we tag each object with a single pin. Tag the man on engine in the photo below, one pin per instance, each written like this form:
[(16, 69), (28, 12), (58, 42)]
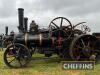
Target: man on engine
[(33, 27)]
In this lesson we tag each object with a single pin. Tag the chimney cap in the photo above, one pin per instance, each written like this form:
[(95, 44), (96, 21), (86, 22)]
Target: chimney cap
[(20, 9), (25, 18)]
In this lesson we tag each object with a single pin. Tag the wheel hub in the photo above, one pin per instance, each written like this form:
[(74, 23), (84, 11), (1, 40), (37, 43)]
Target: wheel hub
[(86, 51)]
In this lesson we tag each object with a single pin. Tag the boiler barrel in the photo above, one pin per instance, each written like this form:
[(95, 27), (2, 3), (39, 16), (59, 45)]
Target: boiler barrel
[(34, 40)]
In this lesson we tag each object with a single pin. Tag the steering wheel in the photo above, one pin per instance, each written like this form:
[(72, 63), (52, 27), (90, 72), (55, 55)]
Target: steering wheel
[(64, 26)]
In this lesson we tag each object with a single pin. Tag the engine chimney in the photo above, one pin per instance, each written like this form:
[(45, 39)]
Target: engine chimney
[(25, 23), (21, 19), (6, 30)]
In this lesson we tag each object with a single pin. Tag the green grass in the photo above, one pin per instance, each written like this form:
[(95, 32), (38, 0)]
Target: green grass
[(41, 65)]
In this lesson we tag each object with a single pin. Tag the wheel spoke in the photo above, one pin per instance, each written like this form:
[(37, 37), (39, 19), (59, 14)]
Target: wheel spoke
[(61, 22), (78, 57), (88, 44), (13, 46), (19, 62), (83, 43), (54, 24), (12, 60), (53, 27), (18, 50)]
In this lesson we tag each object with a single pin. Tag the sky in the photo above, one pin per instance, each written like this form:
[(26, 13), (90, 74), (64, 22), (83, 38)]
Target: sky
[(43, 11)]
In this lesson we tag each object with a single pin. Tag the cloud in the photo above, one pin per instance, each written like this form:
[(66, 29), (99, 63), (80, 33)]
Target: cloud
[(43, 11), (7, 8)]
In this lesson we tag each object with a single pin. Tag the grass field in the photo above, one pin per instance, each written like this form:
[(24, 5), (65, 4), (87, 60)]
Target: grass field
[(41, 65)]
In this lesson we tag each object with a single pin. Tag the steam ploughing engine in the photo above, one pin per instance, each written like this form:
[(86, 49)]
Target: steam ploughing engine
[(61, 38)]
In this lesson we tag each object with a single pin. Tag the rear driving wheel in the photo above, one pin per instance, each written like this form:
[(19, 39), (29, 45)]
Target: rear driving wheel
[(83, 48)]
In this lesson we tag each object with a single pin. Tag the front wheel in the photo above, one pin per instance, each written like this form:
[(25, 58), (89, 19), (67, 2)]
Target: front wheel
[(16, 56)]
